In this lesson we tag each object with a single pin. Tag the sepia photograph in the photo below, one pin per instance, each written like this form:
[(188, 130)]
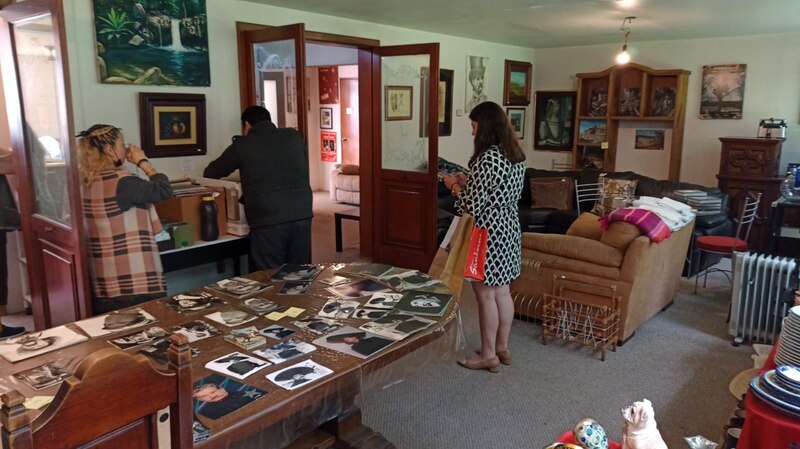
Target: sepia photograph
[(398, 102), (43, 376)]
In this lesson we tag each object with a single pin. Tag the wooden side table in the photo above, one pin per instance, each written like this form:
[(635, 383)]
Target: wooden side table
[(349, 214)]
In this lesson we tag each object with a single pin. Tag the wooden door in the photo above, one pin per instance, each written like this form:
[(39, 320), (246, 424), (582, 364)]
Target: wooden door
[(405, 82), (349, 120), (275, 55), (39, 111)]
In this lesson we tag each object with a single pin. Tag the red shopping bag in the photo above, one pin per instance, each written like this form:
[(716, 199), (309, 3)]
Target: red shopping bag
[(476, 258)]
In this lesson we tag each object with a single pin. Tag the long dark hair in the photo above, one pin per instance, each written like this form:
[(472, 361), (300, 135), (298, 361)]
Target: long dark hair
[(494, 129)]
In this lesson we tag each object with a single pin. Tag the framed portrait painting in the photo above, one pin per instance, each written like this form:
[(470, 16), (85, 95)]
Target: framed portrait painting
[(554, 118), (398, 102), (517, 118), (517, 83), (445, 106), (172, 124)]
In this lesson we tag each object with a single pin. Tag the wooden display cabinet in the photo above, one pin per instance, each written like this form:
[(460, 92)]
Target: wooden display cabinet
[(625, 94)]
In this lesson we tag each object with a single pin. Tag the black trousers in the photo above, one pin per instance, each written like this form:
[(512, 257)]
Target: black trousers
[(274, 245), (3, 269)]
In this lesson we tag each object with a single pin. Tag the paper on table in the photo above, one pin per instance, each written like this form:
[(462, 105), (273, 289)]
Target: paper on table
[(275, 316), (38, 402), (294, 312)]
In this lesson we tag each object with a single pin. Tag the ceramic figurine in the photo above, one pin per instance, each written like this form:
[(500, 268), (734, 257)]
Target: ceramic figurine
[(640, 431), (590, 435)]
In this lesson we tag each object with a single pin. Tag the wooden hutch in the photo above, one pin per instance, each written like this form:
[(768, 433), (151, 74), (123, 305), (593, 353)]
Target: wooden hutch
[(625, 94), (750, 164)]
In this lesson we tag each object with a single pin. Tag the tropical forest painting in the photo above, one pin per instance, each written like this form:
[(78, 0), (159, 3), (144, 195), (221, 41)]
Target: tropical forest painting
[(152, 42)]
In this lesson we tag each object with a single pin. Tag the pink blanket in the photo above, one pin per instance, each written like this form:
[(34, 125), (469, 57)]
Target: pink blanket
[(649, 223)]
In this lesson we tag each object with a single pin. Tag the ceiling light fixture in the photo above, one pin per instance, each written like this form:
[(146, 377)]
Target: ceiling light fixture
[(623, 57)]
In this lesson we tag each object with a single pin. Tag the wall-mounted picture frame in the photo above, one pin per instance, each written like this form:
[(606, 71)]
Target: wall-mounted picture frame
[(517, 83), (328, 151), (445, 106), (328, 85), (592, 132), (649, 139), (399, 102), (326, 118), (172, 124), (554, 116), (517, 118), (722, 93)]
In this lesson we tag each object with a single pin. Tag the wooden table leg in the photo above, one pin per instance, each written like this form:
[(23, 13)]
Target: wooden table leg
[(338, 228)]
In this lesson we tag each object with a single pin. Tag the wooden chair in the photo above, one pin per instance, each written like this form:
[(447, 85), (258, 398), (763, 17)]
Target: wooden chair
[(586, 192), (112, 401)]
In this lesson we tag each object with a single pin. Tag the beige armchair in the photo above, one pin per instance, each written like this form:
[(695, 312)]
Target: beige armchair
[(646, 274)]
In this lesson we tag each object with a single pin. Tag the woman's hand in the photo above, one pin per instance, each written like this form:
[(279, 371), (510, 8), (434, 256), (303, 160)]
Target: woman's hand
[(135, 154)]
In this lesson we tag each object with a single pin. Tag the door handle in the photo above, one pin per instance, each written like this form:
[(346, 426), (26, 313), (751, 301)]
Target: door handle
[(48, 229), (344, 139)]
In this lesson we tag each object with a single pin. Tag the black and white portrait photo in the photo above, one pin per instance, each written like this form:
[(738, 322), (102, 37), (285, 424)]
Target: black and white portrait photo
[(45, 375), (338, 308), (237, 365), (318, 325), (145, 336), (261, 305), (193, 301), (298, 375), (116, 321), (285, 350), (231, 317), (196, 330), (476, 82), (240, 287), (277, 332), (297, 273), (424, 303)]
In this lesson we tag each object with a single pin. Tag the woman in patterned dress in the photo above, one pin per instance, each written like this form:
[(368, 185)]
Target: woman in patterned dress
[(490, 194)]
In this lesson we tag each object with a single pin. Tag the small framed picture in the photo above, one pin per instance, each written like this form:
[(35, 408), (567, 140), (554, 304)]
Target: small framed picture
[(399, 102), (326, 118), (517, 83), (172, 124), (517, 118)]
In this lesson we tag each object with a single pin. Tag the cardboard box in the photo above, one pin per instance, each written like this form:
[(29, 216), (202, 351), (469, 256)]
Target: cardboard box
[(182, 235), (233, 192), (240, 229), (187, 210)]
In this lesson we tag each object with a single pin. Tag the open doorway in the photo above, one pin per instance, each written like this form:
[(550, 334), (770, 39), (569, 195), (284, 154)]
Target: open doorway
[(333, 150)]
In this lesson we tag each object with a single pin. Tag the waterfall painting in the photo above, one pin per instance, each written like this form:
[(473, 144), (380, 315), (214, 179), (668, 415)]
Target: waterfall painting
[(152, 42)]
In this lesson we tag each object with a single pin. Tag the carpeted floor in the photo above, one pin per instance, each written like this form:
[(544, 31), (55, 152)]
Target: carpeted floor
[(682, 360)]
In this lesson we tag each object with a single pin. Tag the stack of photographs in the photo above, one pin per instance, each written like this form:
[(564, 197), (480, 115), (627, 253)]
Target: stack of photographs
[(338, 308), (145, 336), (298, 375), (364, 287), (285, 350), (246, 338), (117, 321), (237, 365), (157, 351), (240, 287), (369, 270), (43, 376), (231, 317), (261, 305), (396, 325), (192, 301), (36, 343), (351, 341), (317, 325), (296, 273), (424, 303), (216, 396), (196, 330), (404, 280)]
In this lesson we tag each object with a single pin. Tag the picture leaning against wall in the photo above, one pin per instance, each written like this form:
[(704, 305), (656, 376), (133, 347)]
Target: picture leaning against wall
[(723, 91), (152, 42)]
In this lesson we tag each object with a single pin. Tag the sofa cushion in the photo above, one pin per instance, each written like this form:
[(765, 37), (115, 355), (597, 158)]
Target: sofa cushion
[(348, 169), (619, 235), (587, 226), (573, 248), (614, 193), (555, 193)]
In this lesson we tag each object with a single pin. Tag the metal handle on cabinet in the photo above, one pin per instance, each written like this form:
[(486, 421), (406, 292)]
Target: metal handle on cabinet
[(48, 229)]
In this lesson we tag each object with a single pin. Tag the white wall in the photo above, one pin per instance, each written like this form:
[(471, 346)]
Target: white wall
[(772, 89), (116, 104)]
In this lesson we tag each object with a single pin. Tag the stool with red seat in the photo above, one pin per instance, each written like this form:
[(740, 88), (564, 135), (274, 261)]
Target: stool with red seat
[(726, 246)]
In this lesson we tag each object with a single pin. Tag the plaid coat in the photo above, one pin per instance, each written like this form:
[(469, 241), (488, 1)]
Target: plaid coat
[(123, 254)]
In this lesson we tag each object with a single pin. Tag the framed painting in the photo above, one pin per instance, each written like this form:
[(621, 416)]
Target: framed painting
[(445, 106), (172, 124), (329, 85), (554, 118), (328, 146), (326, 118), (517, 118), (722, 94), (163, 43), (398, 102), (517, 83)]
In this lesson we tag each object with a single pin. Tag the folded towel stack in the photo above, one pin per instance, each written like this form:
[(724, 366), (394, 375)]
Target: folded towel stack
[(675, 214)]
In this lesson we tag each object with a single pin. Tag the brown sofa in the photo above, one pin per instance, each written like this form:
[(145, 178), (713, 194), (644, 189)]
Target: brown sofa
[(646, 274)]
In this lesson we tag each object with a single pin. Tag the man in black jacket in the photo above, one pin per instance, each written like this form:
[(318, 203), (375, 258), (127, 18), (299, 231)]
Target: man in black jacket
[(273, 164)]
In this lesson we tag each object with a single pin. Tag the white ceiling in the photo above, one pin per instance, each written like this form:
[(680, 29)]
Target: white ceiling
[(560, 23)]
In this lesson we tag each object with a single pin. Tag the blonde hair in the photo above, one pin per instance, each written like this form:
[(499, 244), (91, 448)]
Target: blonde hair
[(92, 160)]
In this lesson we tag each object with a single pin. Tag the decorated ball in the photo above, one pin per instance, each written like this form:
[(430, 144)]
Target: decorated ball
[(590, 435)]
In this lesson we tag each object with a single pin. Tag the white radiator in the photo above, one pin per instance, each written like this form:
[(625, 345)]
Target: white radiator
[(761, 286)]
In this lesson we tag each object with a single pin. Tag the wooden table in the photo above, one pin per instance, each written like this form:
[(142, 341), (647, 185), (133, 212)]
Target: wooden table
[(349, 214), (281, 416)]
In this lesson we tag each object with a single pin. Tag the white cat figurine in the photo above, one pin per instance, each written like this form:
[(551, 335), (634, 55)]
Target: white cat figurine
[(640, 431)]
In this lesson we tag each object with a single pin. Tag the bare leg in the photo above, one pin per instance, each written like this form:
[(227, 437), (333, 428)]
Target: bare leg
[(505, 311), (488, 319)]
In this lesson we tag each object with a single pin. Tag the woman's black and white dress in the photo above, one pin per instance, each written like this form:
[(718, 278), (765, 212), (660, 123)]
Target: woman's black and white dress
[(493, 189)]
